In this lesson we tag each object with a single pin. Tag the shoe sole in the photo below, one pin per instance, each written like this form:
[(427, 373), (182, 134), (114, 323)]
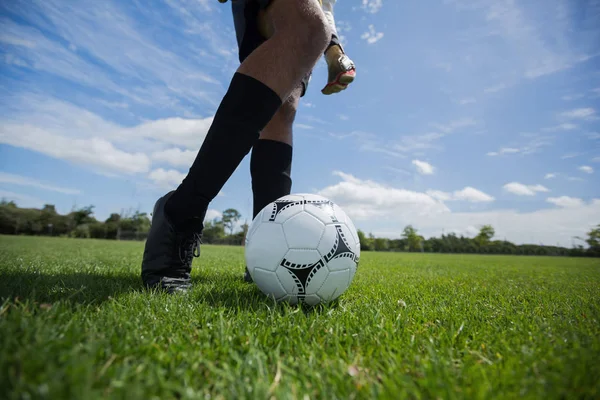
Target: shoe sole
[(342, 80)]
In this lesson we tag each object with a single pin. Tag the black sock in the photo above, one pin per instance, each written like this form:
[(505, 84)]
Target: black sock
[(246, 109), (270, 167)]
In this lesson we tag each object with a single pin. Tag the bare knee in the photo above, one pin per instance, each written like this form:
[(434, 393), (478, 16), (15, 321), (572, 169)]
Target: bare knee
[(304, 23), (280, 126)]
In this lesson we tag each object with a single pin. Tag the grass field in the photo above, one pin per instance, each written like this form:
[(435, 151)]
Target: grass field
[(75, 323)]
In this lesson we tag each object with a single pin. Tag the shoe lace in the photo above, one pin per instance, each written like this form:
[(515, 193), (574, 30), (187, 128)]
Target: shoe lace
[(190, 248)]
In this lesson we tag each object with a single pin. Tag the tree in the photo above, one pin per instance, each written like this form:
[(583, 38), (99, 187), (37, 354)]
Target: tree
[(381, 244), (213, 231), (83, 215), (593, 240), (113, 224), (486, 233), (413, 239), (365, 243), (230, 217), (48, 218)]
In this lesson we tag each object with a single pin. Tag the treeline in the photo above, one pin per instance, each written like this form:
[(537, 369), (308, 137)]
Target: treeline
[(411, 241), (81, 223), (134, 225)]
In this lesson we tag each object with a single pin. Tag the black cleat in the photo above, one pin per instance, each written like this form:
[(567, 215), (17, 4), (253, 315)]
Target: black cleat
[(247, 277), (168, 254)]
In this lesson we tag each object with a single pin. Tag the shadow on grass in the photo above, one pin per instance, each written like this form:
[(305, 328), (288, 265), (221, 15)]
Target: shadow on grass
[(228, 291), (83, 288), (215, 290)]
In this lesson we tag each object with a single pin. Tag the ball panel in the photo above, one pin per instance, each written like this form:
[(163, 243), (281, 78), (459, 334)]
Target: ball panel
[(303, 231), (300, 258), (352, 274), (328, 240), (316, 279), (268, 283), (266, 247), (283, 208), (340, 213), (337, 241), (254, 225), (336, 284), (288, 281), (323, 211), (343, 263), (346, 220), (312, 299)]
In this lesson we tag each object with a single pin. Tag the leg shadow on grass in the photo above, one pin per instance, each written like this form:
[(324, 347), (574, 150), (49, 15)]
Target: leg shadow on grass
[(227, 291), (216, 290), (82, 288)]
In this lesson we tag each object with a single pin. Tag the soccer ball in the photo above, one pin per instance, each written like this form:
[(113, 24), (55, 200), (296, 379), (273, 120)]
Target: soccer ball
[(302, 248)]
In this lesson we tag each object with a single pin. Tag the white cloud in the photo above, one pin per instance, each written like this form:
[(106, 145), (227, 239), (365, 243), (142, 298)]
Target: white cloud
[(504, 150), (22, 200), (455, 125), (423, 167), (94, 152), (189, 133), (570, 155), (142, 67), (416, 142), (587, 169), (467, 100), (469, 194), (561, 127), (372, 36), (367, 199), (175, 157), (166, 179), (565, 201), (68, 132), (596, 159), (524, 190), (528, 42), (550, 176), (372, 6), (533, 145), (212, 214), (579, 113), (420, 142), (26, 181), (375, 207), (495, 88), (571, 97)]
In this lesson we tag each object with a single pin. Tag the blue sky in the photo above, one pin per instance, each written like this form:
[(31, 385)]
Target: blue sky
[(463, 112)]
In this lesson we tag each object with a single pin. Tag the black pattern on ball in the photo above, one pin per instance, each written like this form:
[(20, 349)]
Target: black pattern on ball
[(341, 248), (281, 205), (302, 273)]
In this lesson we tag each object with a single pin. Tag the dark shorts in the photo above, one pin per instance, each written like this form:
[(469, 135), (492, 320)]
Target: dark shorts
[(245, 16)]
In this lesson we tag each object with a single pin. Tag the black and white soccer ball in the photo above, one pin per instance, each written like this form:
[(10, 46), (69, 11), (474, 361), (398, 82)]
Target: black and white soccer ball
[(302, 248)]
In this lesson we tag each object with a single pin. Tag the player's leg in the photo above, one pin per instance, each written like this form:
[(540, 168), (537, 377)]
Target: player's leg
[(341, 69), (266, 77), (271, 160)]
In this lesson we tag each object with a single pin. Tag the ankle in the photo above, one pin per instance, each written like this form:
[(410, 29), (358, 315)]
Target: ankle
[(333, 53)]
